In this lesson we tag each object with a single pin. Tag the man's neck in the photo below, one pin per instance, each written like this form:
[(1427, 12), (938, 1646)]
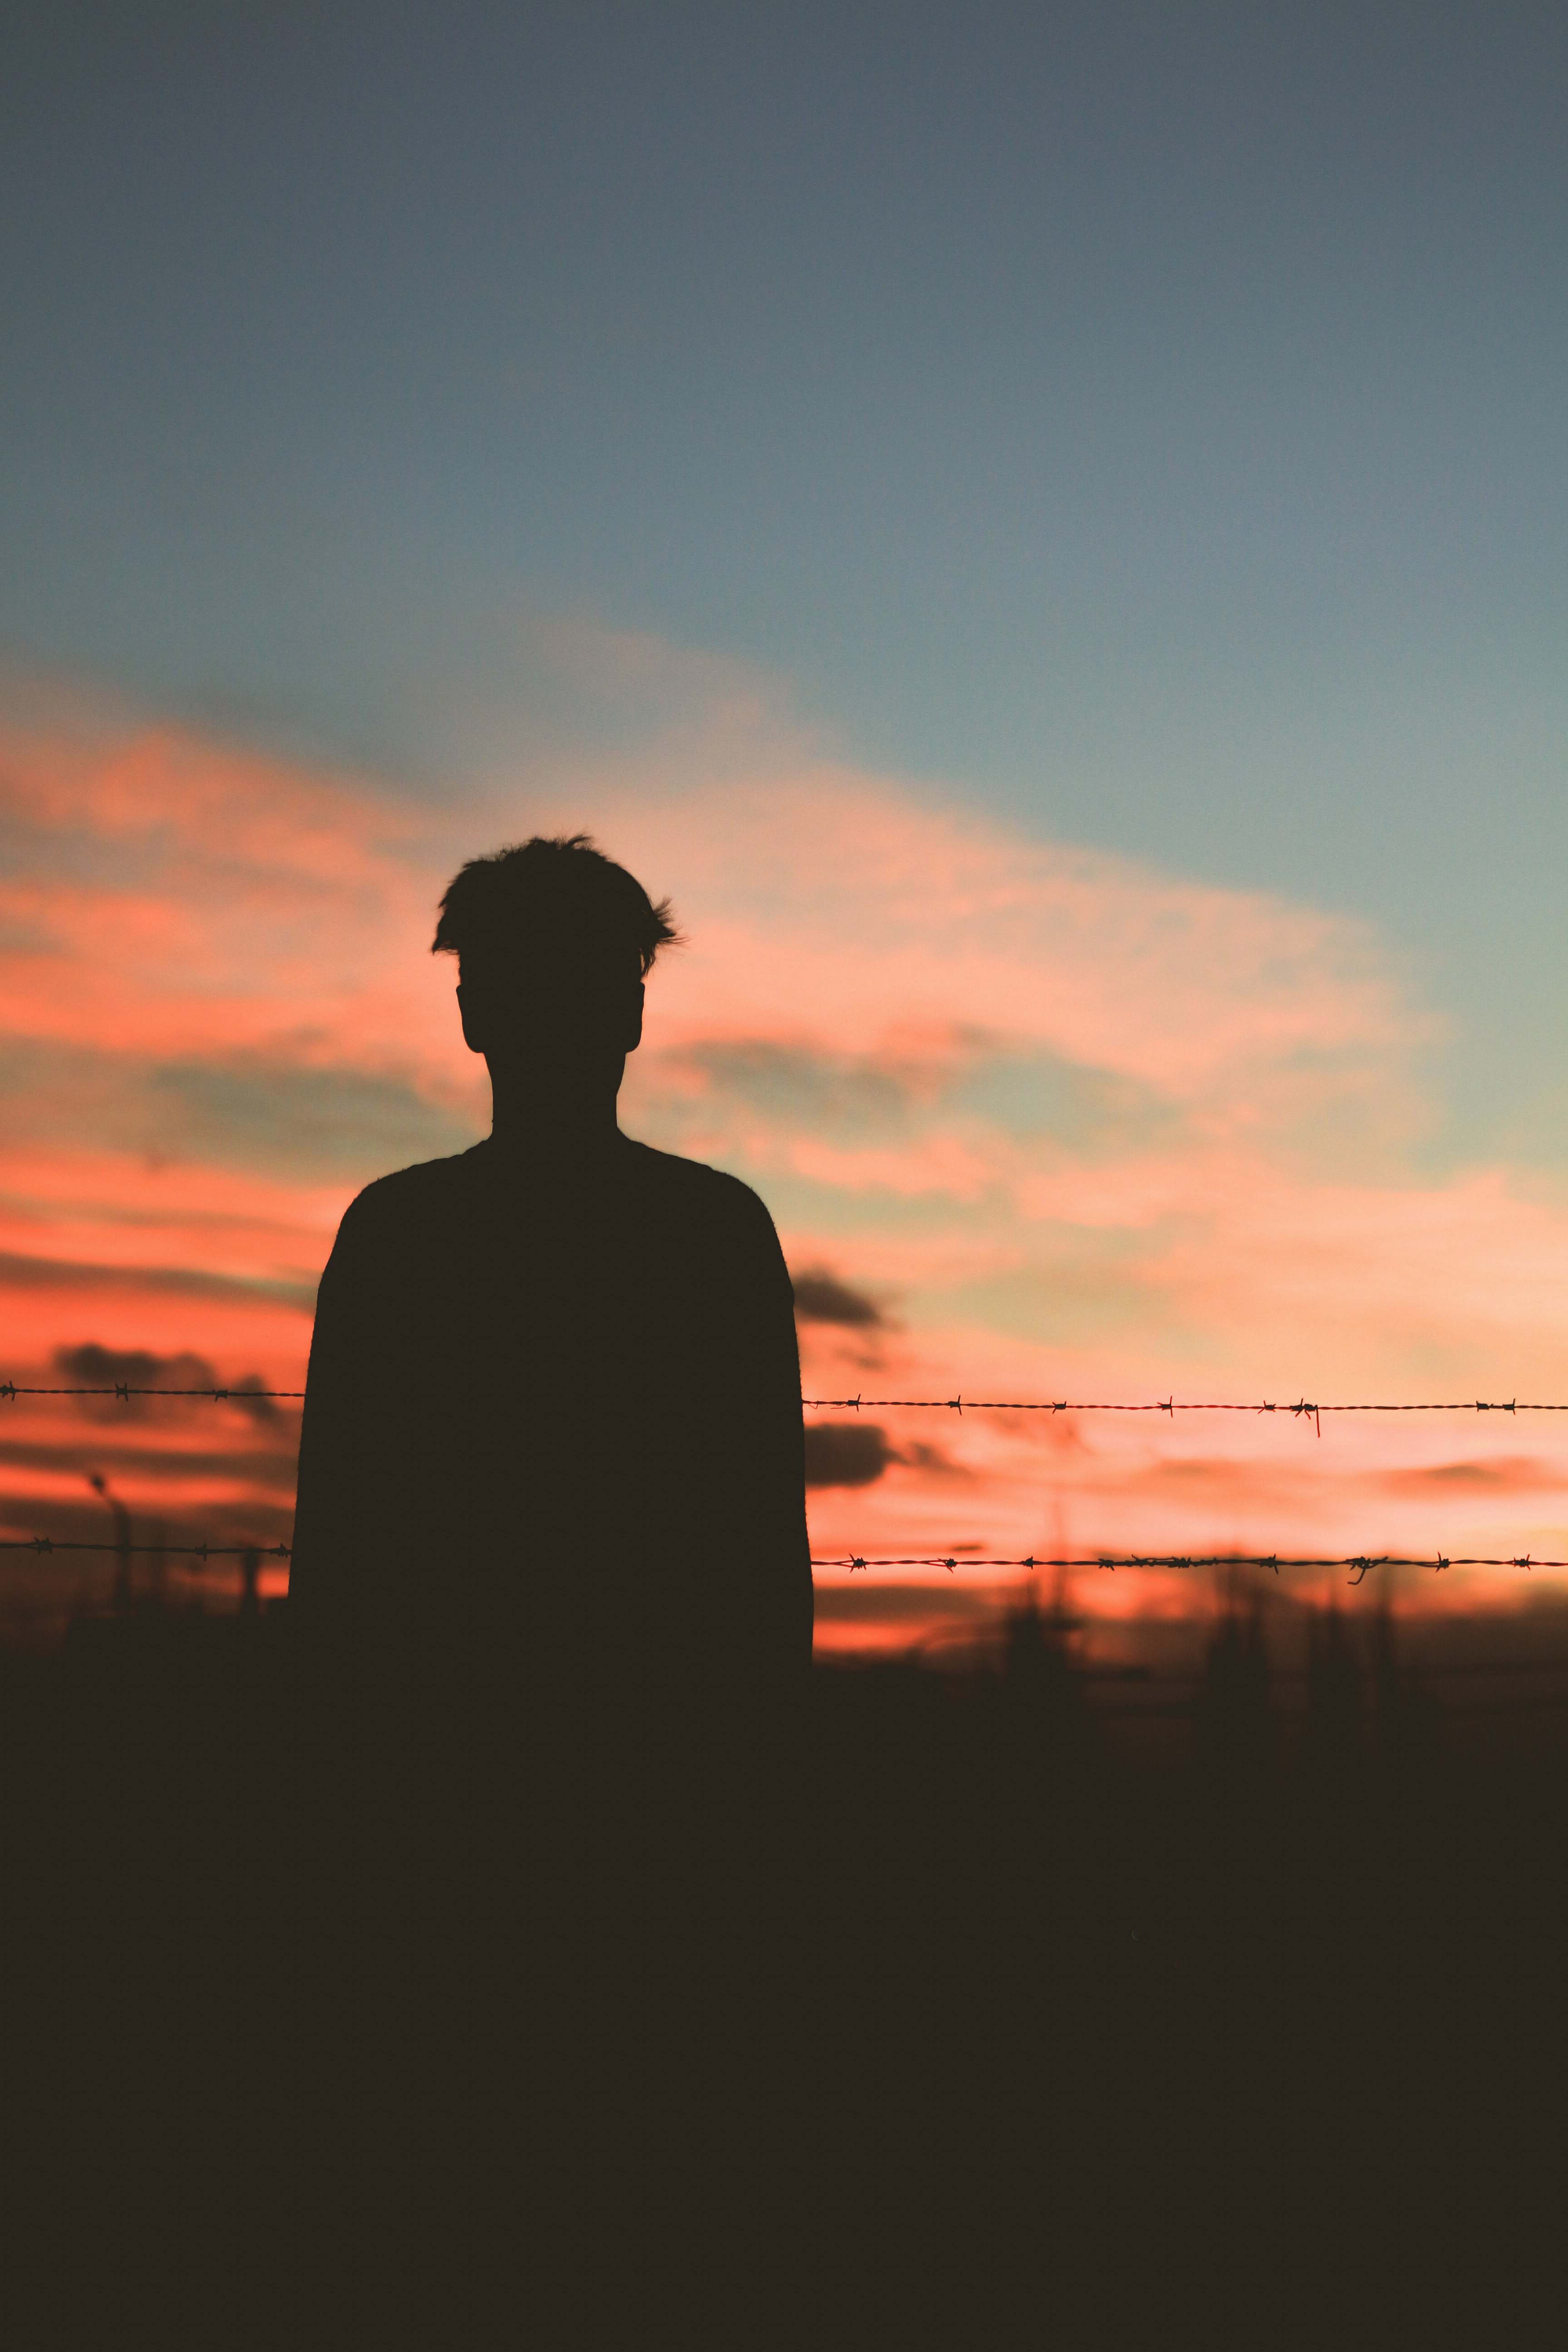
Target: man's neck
[(551, 1135)]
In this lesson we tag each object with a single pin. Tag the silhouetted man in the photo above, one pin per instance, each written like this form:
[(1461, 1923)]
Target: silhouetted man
[(560, 1362), (551, 1579)]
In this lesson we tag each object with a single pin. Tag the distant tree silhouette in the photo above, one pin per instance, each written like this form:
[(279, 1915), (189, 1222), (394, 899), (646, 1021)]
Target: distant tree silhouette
[(123, 1585)]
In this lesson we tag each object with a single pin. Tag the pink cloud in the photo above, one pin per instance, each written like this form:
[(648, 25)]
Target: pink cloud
[(836, 907), (1089, 1130)]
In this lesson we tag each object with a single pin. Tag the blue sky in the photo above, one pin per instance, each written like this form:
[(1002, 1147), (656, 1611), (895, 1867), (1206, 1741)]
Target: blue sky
[(1146, 425)]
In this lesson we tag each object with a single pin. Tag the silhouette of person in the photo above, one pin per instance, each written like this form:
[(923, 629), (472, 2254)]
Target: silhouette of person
[(560, 1356), (552, 1574)]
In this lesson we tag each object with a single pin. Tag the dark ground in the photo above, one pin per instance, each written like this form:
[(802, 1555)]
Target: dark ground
[(1231, 2012)]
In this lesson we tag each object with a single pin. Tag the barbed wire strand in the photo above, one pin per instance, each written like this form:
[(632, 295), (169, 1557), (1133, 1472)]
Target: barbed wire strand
[(1361, 1563), (46, 1544), (1305, 1408), (125, 1391)]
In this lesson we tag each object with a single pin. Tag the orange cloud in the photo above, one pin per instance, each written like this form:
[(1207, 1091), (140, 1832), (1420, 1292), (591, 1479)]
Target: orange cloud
[(1073, 1127)]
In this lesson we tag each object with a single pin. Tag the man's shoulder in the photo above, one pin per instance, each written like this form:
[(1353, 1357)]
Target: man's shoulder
[(431, 1195), (408, 1193), (714, 1221), (704, 1191)]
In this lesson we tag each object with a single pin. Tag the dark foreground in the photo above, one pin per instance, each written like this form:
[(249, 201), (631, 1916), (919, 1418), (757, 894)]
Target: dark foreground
[(1071, 2014)]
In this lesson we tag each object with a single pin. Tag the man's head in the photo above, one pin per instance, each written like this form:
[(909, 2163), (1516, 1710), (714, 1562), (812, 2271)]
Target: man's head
[(553, 942)]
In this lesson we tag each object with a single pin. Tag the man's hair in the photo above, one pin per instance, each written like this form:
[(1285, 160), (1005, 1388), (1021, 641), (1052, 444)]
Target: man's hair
[(550, 905)]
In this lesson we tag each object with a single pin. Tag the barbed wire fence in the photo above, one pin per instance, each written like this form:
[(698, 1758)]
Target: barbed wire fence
[(1303, 1409)]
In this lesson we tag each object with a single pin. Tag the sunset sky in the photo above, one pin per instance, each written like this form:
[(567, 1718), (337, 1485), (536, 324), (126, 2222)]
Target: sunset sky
[(1042, 529)]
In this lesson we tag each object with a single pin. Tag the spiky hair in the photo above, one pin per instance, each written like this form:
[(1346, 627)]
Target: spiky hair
[(550, 903)]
